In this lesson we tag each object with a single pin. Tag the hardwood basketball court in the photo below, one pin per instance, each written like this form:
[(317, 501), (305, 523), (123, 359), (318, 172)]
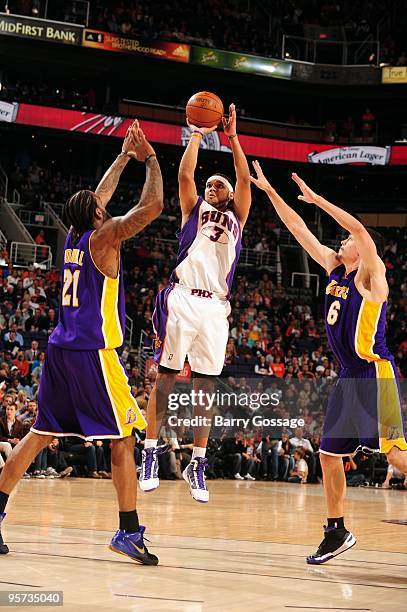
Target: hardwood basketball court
[(245, 550)]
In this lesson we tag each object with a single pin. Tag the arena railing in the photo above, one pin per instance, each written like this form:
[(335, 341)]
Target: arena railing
[(3, 184), (129, 329), (25, 254), (3, 240), (35, 217), (144, 350), (307, 278), (349, 52)]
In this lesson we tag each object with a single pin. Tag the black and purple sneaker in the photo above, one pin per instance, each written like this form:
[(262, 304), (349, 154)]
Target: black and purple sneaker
[(148, 479), (3, 547), (132, 545), (335, 542), (194, 474)]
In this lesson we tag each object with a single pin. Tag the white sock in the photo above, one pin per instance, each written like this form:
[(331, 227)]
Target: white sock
[(150, 442), (198, 451)]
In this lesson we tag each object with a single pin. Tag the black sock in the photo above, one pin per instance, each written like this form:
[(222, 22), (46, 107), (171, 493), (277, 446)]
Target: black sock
[(129, 521), (337, 523), (3, 501)]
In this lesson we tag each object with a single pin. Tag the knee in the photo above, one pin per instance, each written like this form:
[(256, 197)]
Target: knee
[(165, 381), (395, 455), (330, 462), (122, 445)]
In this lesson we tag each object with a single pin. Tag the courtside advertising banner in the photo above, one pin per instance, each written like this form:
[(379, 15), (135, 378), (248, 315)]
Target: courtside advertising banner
[(394, 74), (239, 62), (40, 29), (107, 41), (377, 156), (165, 133)]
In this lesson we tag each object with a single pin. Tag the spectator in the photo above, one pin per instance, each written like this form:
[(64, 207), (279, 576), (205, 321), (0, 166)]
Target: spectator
[(11, 430), (299, 473), (285, 458), (368, 123)]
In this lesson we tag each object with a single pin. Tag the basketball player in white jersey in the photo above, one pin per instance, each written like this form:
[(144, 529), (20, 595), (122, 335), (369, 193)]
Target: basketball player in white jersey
[(191, 315)]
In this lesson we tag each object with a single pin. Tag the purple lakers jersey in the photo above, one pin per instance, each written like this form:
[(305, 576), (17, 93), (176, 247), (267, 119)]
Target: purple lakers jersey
[(355, 326), (209, 249), (92, 311)]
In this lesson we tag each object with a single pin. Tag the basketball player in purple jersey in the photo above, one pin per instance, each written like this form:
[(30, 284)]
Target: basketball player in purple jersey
[(190, 316), (84, 389), (363, 411)]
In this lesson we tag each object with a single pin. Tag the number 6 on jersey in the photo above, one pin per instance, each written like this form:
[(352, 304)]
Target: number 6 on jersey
[(333, 312)]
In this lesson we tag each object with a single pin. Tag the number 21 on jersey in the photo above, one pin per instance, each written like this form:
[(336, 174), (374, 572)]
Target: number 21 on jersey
[(70, 289), (333, 312)]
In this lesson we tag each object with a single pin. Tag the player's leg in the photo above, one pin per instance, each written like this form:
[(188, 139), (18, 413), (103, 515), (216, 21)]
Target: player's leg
[(334, 482), (156, 410), (389, 415), (398, 459), (206, 356), (338, 440), (17, 463), (128, 540), (194, 473), (174, 325)]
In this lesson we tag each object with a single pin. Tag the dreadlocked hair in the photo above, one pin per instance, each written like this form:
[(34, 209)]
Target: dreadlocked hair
[(79, 212)]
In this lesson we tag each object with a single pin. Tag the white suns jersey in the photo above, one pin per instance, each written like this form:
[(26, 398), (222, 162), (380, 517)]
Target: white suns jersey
[(209, 249)]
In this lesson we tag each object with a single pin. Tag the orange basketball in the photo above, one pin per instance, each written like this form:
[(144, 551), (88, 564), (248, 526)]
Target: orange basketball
[(204, 109)]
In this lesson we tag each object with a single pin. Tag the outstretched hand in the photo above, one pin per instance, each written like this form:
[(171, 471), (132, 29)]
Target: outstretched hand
[(136, 144), (308, 195), (229, 124), (260, 180), (203, 130)]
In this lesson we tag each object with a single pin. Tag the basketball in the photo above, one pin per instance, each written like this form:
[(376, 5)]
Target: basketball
[(204, 109)]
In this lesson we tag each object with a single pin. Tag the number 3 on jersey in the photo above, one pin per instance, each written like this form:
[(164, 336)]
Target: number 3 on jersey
[(333, 312), (70, 290)]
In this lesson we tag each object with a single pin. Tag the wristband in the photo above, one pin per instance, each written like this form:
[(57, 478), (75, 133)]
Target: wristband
[(197, 132), (124, 153), (232, 136), (149, 157)]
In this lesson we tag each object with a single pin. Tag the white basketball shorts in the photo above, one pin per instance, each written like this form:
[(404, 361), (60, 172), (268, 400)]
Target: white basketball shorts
[(190, 322)]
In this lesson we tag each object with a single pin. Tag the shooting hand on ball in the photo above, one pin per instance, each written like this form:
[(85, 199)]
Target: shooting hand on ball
[(229, 124), (203, 130)]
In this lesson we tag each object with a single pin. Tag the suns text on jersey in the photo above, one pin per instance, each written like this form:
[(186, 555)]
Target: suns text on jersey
[(222, 219)]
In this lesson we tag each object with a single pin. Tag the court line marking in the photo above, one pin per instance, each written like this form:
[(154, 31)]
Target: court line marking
[(326, 609), (34, 586), (162, 535), (220, 571), (160, 598), (221, 550)]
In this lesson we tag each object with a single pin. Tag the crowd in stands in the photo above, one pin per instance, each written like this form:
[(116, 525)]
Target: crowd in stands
[(236, 25), (277, 344)]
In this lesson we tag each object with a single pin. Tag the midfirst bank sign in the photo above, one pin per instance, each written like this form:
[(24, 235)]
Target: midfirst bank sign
[(40, 29)]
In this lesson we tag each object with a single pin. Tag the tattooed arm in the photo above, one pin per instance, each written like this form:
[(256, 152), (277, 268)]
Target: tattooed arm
[(108, 183), (106, 240), (148, 208)]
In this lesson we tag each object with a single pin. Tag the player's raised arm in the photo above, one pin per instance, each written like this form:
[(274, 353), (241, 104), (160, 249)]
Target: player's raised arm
[(364, 243), (188, 194), (150, 206), (108, 183), (325, 256), (242, 195)]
